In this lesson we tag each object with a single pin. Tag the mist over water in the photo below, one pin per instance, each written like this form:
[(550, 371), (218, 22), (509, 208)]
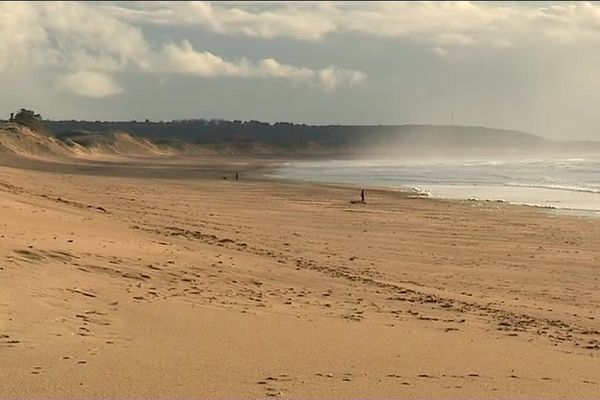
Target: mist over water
[(562, 183)]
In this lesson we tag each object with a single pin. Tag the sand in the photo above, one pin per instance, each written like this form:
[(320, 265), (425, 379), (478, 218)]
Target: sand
[(187, 285)]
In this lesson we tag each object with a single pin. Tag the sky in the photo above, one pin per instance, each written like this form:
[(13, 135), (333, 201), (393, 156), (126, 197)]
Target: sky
[(533, 67)]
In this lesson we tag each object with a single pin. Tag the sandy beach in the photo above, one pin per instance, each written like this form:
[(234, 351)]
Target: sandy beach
[(126, 281)]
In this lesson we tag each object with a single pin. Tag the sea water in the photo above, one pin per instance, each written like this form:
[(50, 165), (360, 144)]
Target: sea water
[(565, 184)]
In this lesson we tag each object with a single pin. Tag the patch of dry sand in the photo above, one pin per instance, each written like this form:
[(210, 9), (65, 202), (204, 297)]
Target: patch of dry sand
[(137, 287)]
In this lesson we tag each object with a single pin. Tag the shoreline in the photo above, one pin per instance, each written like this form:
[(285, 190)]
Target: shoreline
[(221, 167)]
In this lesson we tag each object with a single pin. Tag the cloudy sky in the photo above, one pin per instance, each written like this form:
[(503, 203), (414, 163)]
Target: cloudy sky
[(518, 65)]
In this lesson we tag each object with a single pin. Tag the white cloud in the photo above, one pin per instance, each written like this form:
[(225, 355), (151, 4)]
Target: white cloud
[(109, 39), (441, 23), (92, 42), (22, 38), (60, 34), (440, 51), (183, 59), (329, 78), (292, 20), (78, 27), (332, 77), (271, 67), (92, 84)]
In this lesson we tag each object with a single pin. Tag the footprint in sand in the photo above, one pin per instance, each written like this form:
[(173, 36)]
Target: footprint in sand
[(324, 375), (5, 339), (271, 392), (36, 370)]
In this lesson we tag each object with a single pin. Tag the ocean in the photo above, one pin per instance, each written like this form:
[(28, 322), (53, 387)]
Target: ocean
[(570, 184)]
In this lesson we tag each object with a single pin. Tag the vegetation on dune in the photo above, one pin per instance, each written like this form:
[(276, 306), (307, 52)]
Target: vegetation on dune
[(29, 119), (255, 137), (288, 136)]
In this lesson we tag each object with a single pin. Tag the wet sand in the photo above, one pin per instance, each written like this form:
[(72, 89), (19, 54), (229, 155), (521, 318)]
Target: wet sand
[(128, 282)]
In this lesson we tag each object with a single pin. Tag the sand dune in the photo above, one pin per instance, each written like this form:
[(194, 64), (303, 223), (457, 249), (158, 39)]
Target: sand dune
[(116, 143), (20, 140), (127, 286)]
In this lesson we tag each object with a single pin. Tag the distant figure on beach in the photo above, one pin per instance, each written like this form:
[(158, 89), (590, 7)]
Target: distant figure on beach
[(362, 198), (236, 176)]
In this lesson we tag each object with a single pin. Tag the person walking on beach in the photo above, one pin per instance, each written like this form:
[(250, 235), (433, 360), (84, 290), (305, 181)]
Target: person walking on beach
[(236, 176), (362, 195)]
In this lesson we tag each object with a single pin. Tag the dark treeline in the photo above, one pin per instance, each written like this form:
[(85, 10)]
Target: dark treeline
[(283, 134)]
